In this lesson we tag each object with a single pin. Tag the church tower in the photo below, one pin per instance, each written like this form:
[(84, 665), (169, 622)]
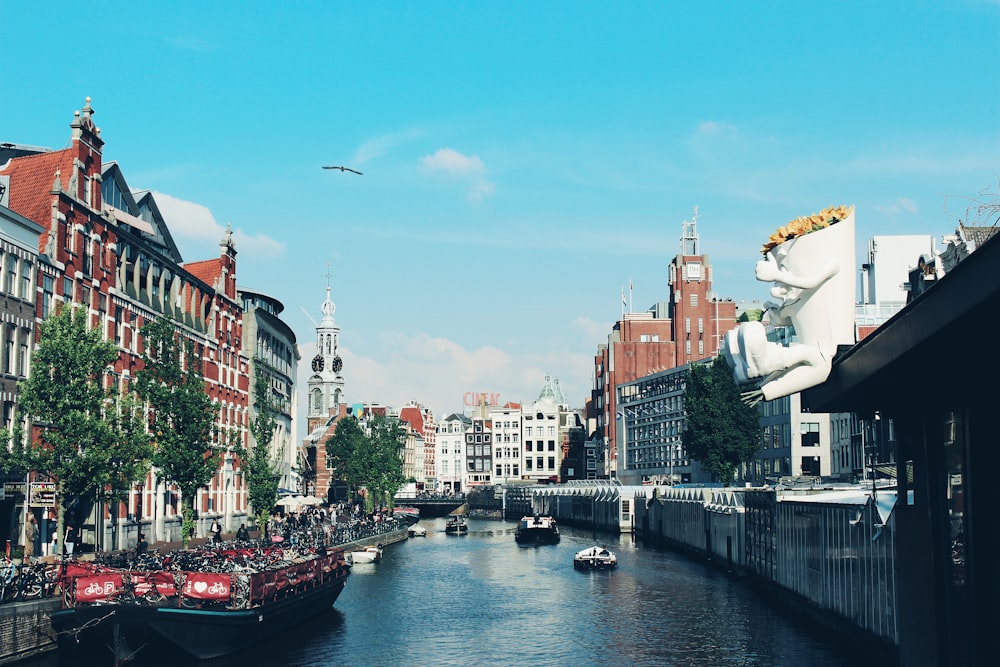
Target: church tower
[(326, 384)]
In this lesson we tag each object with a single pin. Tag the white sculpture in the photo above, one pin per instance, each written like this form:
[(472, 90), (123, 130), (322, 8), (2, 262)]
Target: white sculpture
[(811, 263)]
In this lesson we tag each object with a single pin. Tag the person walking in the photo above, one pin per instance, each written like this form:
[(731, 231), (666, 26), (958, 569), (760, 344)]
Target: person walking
[(70, 540), (242, 534), (142, 546), (30, 534), (216, 531)]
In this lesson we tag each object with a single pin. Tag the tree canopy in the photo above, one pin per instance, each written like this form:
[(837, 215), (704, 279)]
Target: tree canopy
[(371, 459), (721, 431), (261, 468), (82, 434), (182, 414)]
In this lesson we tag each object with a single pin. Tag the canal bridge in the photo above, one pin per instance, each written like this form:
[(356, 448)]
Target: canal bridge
[(432, 506)]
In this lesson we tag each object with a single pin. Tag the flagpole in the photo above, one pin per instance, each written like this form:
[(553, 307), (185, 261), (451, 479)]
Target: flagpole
[(630, 295)]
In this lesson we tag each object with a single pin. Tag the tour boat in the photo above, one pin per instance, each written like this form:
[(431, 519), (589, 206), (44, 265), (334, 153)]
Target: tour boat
[(410, 514), (417, 530), (595, 558), (536, 530), (193, 614), (456, 525), (371, 554)]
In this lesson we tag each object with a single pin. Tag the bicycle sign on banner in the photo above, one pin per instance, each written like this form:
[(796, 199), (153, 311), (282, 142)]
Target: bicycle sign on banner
[(207, 586)]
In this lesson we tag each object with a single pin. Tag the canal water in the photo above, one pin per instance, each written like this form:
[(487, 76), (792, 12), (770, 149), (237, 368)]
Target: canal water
[(479, 598)]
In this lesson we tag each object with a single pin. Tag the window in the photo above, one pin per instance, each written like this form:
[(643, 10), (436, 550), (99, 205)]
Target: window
[(48, 289), (687, 347), (687, 325), (2, 273), (11, 274), (22, 360), (810, 465), (8, 415), (694, 300), (810, 435), (8, 350), (552, 463), (701, 325)]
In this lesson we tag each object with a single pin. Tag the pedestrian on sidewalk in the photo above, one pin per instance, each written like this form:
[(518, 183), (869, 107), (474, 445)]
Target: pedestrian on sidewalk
[(70, 540), (216, 531), (30, 533)]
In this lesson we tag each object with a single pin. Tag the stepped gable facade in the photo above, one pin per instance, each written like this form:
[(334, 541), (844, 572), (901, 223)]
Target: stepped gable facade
[(109, 251)]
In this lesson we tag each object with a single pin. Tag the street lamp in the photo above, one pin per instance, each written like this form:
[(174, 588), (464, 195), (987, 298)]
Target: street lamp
[(671, 465), (116, 464)]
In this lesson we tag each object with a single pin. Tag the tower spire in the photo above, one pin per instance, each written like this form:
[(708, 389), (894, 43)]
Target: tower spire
[(689, 236)]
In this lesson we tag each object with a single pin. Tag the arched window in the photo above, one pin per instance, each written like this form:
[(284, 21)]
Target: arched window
[(317, 400)]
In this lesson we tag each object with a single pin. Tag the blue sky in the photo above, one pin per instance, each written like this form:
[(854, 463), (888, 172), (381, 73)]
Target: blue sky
[(523, 161)]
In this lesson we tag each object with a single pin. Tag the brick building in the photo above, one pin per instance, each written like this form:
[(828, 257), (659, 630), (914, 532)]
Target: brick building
[(108, 250), (689, 327)]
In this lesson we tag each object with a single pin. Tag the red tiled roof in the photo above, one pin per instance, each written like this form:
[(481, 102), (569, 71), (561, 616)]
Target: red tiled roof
[(31, 179), (413, 416), (865, 330), (207, 270)]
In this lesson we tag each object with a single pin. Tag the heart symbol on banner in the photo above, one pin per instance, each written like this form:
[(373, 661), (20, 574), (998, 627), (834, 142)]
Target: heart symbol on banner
[(200, 586)]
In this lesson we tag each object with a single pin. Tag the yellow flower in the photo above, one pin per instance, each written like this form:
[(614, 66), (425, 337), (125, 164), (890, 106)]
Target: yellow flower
[(805, 224)]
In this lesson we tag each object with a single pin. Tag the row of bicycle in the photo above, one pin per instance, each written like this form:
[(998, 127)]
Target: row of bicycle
[(21, 581), (39, 580)]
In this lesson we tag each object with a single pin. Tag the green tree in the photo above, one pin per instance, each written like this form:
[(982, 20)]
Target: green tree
[(721, 431), (262, 470), (181, 412), (369, 457), (349, 453), (91, 442), (388, 437)]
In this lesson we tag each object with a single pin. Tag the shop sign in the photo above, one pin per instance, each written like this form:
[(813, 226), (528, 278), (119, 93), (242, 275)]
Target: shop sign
[(43, 494), (12, 491)]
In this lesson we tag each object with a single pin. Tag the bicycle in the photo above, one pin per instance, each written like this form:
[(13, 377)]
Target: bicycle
[(32, 582), (8, 580)]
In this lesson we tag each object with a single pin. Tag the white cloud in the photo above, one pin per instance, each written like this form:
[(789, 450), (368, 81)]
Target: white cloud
[(480, 191), (197, 233), (379, 146), (706, 127), (399, 367), (470, 170), (453, 163)]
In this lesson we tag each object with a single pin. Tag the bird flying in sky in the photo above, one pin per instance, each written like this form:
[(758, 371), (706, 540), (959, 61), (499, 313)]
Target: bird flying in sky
[(354, 171)]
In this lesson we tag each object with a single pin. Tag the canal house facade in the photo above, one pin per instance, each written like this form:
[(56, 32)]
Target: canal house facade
[(107, 249)]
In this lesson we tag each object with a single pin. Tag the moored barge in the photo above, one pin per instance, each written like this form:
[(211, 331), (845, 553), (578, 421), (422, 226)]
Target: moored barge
[(195, 614)]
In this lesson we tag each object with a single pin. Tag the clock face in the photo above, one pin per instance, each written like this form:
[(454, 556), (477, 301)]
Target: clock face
[(337, 364), (317, 363)]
